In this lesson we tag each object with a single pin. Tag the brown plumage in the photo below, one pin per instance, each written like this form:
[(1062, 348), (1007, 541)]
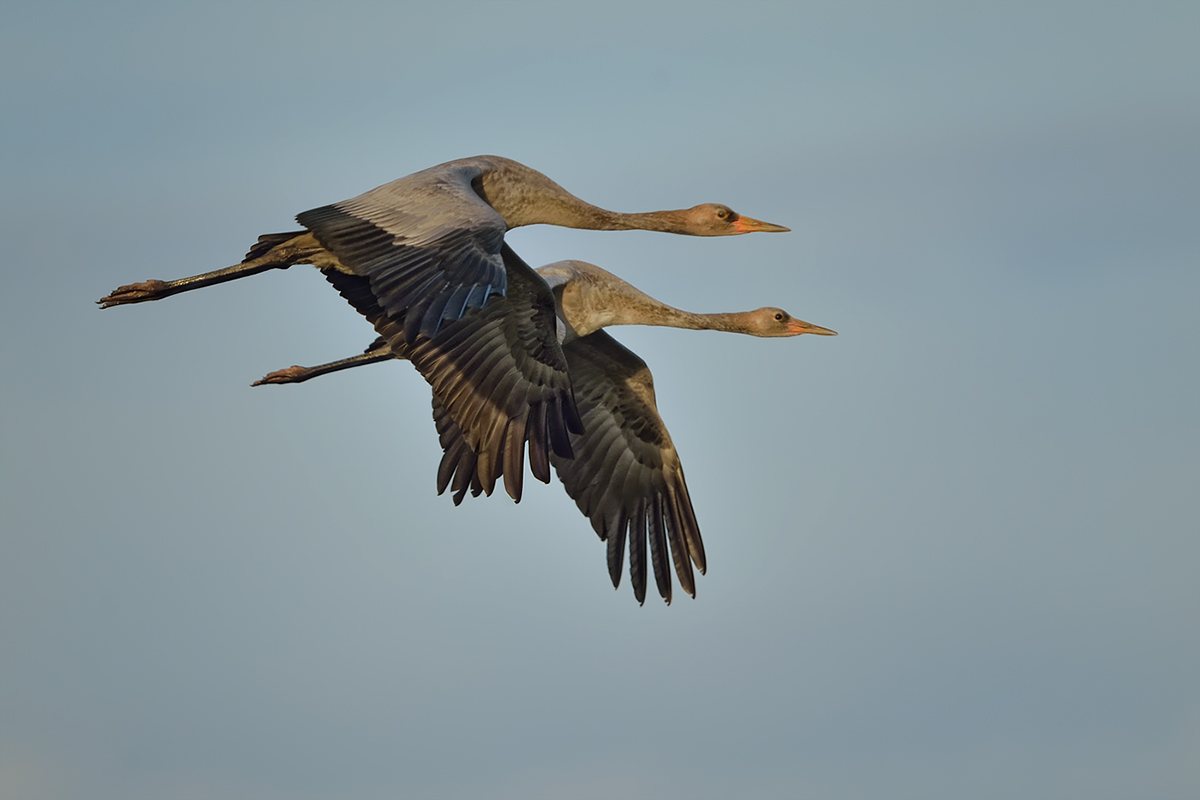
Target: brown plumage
[(415, 255), (625, 476)]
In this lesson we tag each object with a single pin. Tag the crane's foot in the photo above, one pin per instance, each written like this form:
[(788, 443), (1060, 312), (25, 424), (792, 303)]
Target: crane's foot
[(289, 375), (135, 293)]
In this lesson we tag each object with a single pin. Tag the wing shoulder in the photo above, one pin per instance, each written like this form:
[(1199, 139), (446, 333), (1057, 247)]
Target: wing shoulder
[(428, 243)]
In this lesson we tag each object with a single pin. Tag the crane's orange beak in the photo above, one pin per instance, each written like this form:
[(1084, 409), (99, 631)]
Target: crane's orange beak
[(798, 326), (748, 225)]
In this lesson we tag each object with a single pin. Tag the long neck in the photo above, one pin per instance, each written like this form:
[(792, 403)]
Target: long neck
[(667, 316), (524, 196), (594, 299)]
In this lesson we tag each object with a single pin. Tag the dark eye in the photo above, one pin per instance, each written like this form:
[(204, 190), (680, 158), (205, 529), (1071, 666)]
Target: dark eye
[(722, 213), (779, 316)]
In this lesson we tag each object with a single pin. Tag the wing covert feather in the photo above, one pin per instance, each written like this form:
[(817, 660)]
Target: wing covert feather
[(428, 243), (498, 374)]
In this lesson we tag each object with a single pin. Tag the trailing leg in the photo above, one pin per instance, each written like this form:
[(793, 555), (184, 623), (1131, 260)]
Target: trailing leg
[(273, 251), (378, 351)]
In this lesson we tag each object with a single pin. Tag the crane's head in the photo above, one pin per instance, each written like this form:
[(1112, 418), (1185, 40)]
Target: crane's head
[(714, 219), (772, 322)]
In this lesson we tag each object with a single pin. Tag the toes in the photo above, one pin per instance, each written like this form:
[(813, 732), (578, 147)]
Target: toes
[(289, 375), (134, 293)]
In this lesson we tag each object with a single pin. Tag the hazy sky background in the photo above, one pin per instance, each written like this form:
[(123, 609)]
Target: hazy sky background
[(954, 552)]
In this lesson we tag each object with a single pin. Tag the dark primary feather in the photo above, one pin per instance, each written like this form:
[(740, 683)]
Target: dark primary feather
[(498, 373), (625, 475)]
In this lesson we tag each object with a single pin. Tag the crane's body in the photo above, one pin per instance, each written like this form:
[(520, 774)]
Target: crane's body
[(507, 351)]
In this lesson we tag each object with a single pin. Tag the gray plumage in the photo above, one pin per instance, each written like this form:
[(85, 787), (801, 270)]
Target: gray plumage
[(416, 255), (625, 474)]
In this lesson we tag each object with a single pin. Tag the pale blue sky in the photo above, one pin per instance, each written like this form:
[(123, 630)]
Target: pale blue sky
[(954, 552)]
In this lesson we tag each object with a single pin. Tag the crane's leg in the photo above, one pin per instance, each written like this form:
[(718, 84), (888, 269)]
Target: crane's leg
[(376, 352), (155, 290), (273, 251)]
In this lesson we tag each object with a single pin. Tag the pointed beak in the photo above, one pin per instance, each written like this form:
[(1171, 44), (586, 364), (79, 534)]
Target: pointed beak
[(799, 326), (748, 225)]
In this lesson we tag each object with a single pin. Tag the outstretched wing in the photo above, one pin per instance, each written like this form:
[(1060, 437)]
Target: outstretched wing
[(428, 244), (626, 476), (498, 372)]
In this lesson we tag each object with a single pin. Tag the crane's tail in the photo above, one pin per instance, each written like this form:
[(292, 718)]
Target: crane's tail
[(268, 242)]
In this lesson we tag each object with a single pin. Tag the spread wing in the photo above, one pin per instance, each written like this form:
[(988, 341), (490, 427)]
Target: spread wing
[(625, 477), (498, 372), (428, 243)]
